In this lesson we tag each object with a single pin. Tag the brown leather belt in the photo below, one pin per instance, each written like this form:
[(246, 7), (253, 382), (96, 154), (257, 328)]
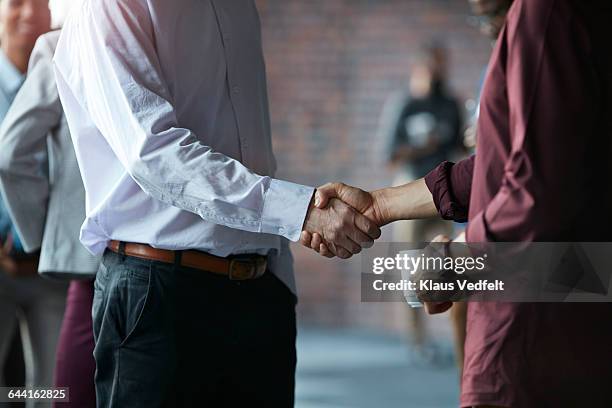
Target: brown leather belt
[(237, 267)]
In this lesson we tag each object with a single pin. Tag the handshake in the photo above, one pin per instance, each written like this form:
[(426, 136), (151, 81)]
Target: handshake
[(342, 220)]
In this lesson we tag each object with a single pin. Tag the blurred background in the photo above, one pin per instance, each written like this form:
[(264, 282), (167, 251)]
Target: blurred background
[(332, 67)]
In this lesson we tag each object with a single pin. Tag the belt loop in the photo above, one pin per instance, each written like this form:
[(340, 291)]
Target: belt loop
[(178, 255), (121, 250)]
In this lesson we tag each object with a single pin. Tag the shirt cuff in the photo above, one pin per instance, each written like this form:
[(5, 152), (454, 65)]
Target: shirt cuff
[(285, 207), (439, 184)]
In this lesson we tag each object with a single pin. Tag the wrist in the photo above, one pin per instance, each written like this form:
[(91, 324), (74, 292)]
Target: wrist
[(407, 202), (308, 220), (384, 206)]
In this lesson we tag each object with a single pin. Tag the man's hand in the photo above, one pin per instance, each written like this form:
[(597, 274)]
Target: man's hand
[(368, 204), (344, 229), (7, 263), (411, 201), (438, 307)]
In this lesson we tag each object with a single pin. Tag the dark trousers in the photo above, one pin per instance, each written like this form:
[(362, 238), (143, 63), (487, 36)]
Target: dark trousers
[(171, 336)]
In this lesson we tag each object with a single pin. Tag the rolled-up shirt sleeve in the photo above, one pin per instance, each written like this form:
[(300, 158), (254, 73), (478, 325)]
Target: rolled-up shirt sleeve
[(551, 97), (450, 185), (110, 66)]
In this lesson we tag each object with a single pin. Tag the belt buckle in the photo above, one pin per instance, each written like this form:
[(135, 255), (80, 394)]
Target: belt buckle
[(247, 268)]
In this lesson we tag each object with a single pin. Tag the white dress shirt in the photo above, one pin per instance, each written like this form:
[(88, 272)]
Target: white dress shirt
[(168, 110)]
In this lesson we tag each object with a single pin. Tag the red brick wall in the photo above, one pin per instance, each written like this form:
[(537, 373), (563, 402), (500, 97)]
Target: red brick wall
[(331, 65)]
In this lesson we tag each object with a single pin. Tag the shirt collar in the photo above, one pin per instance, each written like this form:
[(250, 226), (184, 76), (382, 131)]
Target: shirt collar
[(10, 77)]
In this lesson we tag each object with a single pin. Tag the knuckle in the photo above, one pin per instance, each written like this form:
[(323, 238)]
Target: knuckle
[(368, 243)]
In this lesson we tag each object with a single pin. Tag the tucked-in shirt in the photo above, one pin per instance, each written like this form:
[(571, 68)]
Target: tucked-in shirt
[(168, 109), (541, 173), (10, 82)]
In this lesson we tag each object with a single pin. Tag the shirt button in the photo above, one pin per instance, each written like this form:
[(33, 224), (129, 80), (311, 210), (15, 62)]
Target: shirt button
[(236, 89)]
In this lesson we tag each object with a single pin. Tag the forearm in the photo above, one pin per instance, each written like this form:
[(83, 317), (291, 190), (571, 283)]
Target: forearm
[(169, 161), (407, 202)]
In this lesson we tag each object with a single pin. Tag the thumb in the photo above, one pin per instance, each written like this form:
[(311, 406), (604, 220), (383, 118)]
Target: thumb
[(324, 194)]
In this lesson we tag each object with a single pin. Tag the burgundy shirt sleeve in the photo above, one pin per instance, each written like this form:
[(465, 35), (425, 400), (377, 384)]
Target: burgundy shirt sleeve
[(552, 101), (450, 185)]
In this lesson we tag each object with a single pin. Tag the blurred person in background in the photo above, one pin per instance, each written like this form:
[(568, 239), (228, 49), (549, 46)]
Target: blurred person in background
[(423, 128), (36, 304), (427, 131), (540, 174), (40, 178)]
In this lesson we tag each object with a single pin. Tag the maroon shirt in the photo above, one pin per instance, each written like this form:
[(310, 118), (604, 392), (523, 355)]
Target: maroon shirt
[(541, 173)]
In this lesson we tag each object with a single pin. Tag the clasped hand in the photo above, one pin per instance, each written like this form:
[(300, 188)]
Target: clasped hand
[(342, 221)]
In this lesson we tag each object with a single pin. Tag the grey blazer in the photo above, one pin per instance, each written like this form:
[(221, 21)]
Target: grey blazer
[(39, 175)]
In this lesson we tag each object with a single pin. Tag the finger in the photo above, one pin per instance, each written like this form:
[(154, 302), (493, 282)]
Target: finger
[(361, 239), (351, 246), (305, 238), (316, 241), (339, 250), (343, 253), (322, 247), (324, 251), (325, 193), (367, 226)]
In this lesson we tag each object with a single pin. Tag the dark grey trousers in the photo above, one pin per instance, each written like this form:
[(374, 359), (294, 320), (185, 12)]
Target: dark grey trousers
[(170, 336)]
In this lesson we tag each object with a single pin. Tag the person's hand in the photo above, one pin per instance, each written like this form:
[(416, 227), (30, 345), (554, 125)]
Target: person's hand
[(344, 229), (7, 263), (438, 307), (368, 204)]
